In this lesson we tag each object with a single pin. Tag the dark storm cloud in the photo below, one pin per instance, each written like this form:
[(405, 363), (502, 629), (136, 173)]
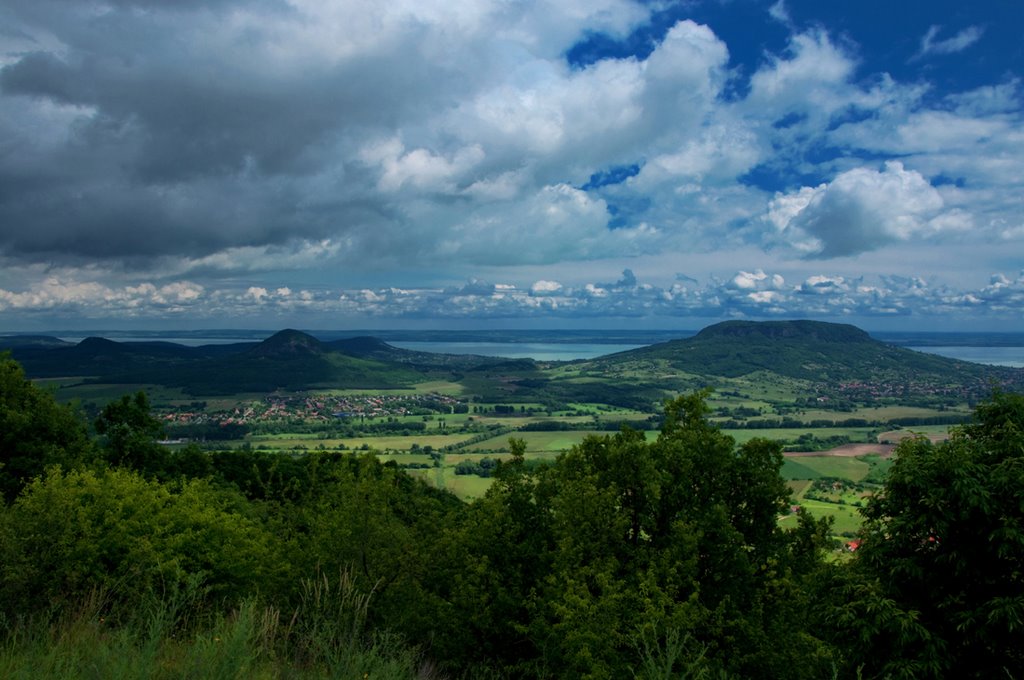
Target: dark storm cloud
[(164, 145), (42, 74)]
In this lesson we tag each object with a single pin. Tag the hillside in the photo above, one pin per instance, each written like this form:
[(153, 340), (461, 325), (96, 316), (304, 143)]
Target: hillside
[(806, 350), (101, 357), (287, 344), (368, 347), (812, 356), (288, 360), (36, 341)]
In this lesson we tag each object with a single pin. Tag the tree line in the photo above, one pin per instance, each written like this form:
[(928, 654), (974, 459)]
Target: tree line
[(623, 558)]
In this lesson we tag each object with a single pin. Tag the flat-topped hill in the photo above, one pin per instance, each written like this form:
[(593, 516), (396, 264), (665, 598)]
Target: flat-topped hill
[(807, 350), (801, 331)]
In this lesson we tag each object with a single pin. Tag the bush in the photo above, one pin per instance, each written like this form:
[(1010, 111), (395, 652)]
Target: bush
[(71, 533)]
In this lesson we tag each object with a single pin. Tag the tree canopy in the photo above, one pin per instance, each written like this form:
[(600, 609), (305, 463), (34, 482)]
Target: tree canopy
[(937, 584), (35, 431)]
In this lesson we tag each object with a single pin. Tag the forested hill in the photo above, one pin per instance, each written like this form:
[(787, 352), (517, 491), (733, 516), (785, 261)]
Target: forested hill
[(807, 350), (287, 360), (814, 351)]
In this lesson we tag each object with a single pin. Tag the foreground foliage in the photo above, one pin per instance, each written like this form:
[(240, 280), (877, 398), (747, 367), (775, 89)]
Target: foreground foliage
[(938, 582), (168, 637), (624, 558)]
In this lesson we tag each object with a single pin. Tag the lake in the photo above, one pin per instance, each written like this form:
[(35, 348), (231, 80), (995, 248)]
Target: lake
[(998, 349), (541, 351), (996, 356)]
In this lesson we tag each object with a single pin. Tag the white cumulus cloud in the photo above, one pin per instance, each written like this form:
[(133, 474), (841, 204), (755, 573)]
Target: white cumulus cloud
[(860, 210), (545, 287)]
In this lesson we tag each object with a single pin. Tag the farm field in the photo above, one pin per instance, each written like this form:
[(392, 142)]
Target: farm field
[(73, 390), (380, 443), (816, 467), (933, 432), (855, 434), (466, 487), (846, 519), (547, 442), (426, 387), (854, 480)]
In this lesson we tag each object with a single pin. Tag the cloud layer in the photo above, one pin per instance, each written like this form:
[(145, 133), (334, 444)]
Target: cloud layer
[(150, 152), (748, 294)]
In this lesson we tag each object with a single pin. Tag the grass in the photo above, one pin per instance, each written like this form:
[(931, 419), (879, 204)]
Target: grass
[(888, 412), (598, 408), (798, 486), (536, 441), (405, 458), (856, 434), (815, 467), (106, 392), (466, 487), (453, 459), (326, 637), (841, 506), (846, 519), (385, 443), (930, 431), (794, 469), (428, 387)]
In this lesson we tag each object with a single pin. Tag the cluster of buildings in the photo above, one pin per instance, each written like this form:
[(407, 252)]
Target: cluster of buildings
[(318, 407)]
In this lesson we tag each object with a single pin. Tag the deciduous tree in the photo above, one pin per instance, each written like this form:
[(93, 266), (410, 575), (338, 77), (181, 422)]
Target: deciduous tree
[(35, 431), (130, 432), (936, 589)]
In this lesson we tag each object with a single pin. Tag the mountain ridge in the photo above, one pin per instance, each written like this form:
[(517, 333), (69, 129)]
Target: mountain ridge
[(290, 359)]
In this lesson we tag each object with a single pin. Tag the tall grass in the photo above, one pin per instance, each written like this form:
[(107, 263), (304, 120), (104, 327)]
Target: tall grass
[(673, 655), (173, 637)]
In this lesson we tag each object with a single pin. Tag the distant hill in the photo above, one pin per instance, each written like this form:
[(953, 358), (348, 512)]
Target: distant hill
[(365, 346), (99, 356), (807, 350), (812, 351), (22, 341), (288, 360), (368, 347), (287, 344)]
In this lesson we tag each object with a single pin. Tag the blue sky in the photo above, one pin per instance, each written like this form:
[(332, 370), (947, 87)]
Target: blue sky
[(609, 163)]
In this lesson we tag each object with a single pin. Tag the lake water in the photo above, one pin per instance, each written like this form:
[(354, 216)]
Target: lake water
[(561, 351), (1000, 354), (541, 351), (996, 356)]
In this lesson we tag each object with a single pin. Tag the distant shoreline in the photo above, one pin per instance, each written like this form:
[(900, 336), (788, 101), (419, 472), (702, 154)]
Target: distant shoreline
[(915, 339), (997, 349)]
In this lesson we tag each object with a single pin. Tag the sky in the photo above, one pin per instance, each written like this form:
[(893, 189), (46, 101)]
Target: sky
[(326, 164)]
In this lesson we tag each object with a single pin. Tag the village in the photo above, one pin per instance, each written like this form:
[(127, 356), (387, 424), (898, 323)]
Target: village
[(313, 408)]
